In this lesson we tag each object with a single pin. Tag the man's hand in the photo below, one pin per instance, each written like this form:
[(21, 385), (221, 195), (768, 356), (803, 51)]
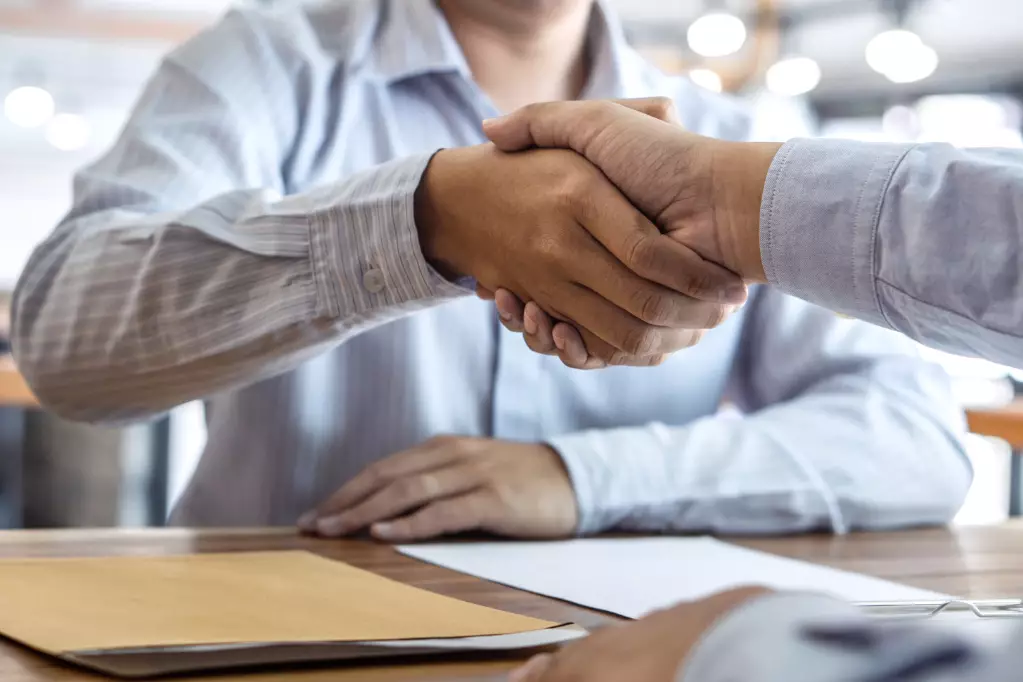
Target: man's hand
[(550, 228), (652, 649), (703, 193), (452, 485)]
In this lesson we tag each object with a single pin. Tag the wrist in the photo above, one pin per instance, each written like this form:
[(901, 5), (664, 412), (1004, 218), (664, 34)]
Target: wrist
[(435, 221), (739, 177)]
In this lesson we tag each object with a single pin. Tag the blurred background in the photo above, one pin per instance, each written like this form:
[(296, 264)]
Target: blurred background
[(897, 70)]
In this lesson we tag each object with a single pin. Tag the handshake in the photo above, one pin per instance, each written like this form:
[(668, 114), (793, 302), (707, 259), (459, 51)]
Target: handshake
[(604, 231)]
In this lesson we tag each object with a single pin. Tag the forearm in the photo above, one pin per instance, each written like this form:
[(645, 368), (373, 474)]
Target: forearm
[(852, 453), (124, 313), (918, 238)]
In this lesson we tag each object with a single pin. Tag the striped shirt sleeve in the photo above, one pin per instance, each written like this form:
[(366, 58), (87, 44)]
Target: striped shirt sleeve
[(184, 270)]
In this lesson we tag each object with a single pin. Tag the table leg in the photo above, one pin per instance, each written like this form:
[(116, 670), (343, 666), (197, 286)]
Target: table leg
[(159, 474)]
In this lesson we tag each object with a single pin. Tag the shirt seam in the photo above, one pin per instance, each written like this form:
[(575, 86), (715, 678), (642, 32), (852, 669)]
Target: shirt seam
[(959, 316), (875, 275), (786, 154)]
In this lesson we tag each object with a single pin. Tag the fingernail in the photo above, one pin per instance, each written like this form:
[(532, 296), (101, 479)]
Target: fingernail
[(308, 521), (505, 316), (487, 122), (559, 341), (333, 526), (530, 325)]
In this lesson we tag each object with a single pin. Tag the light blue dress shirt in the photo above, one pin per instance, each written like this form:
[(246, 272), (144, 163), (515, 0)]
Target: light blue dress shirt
[(250, 240)]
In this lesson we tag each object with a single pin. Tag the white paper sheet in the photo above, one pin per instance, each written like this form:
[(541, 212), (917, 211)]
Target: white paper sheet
[(633, 576)]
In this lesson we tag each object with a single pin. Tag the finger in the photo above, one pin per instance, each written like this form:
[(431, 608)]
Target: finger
[(573, 125), (572, 349), (559, 125), (433, 454), (483, 293), (629, 336), (444, 517), (533, 670), (639, 246), (511, 310), (661, 108), (539, 330), (401, 496), (616, 224)]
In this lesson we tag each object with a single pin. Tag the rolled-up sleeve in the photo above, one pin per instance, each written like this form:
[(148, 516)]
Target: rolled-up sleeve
[(925, 239)]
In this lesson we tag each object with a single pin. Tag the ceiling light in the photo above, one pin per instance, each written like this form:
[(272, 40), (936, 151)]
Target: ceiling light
[(68, 132), (793, 76), (29, 107), (901, 56), (706, 78), (717, 35)]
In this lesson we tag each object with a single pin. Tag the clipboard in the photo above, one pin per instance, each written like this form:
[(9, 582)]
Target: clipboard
[(991, 609)]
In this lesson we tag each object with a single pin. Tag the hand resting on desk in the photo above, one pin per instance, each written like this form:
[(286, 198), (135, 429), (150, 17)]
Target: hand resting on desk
[(451, 485)]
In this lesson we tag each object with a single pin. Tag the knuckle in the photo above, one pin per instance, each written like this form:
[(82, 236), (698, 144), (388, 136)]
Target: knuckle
[(408, 488), (574, 191), (641, 340), (639, 251), (718, 315), (655, 307), (699, 283), (603, 107), (622, 359)]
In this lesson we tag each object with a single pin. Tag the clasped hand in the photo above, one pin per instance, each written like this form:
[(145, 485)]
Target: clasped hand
[(549, 227), (703, 196)]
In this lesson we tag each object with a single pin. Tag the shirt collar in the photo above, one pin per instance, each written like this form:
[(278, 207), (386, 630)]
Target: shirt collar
[(413, 39)]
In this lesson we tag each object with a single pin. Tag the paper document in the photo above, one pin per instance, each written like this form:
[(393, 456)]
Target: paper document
[(153, 615), (634, 576)]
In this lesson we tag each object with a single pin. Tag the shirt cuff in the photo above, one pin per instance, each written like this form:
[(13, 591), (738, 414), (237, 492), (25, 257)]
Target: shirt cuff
[(818, 222), (365, 244), (596, 461), (763, 641)]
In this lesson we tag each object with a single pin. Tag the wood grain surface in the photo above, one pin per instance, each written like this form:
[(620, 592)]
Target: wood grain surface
[(970, 562)]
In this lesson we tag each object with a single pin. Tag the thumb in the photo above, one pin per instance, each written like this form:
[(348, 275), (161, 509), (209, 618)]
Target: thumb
[(558, 125), (571, 125)]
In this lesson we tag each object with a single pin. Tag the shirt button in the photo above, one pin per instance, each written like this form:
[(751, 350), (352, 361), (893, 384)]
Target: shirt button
[(374, 281)]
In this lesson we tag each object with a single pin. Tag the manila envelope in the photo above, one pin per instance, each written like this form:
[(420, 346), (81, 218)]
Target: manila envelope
[(145, 616)]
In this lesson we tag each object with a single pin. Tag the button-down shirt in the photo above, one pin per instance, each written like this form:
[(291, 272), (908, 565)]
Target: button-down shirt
[(250, 240)]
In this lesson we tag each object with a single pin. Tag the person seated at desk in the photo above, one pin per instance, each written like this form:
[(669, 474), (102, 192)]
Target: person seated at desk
[(276, 233)]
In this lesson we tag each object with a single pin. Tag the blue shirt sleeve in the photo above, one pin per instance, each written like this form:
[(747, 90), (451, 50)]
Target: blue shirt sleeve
[(924, 239)]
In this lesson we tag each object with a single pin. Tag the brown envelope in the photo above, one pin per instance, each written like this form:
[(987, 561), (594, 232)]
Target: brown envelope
[(140, 616)]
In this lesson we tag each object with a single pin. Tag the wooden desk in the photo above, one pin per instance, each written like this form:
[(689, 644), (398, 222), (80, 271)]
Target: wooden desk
[(14, 392), (981, 562)]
